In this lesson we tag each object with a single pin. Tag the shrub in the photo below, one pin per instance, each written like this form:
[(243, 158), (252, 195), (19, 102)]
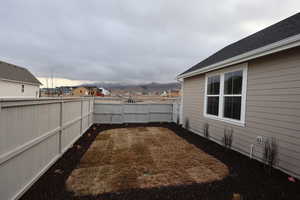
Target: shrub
[(187, 123), (270, 152), (227, 138), (205, 130)]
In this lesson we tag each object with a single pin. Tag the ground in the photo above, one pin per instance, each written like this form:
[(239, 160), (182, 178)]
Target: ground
[(142, 157), (247, 179)]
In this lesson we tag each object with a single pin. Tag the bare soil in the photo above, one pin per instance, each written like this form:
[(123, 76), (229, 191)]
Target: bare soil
[(141, 157)]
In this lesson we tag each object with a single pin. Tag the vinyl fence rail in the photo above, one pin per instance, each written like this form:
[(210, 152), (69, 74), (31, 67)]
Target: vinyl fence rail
[(112, 113), (34, 133)]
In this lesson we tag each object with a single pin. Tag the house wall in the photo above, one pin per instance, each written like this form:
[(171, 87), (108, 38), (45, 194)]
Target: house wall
[(13, 89), (81, 91), (272, 109)]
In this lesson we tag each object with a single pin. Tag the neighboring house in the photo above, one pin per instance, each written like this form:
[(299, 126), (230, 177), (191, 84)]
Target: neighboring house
[(64, 90), (87, 91), (253, 87), (16, 82), (50, 92), (80, 91), (174, 93), (170, 93)]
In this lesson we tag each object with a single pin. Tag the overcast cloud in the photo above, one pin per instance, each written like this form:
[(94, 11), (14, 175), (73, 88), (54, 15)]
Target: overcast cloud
[(127, 40)]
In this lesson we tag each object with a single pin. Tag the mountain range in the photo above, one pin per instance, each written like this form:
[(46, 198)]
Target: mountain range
[(147, 87)]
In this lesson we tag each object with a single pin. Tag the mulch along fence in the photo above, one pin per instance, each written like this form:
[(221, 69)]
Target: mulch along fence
[(247, 180)]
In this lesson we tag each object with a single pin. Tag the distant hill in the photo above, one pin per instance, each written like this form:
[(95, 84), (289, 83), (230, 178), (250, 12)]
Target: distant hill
[(149, 87)]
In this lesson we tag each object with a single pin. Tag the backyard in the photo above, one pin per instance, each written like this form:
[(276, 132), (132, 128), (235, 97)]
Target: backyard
[(142, 157), (156, 161)]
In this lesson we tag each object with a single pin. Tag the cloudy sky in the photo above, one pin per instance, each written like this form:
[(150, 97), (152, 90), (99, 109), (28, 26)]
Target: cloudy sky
[(126, 40)]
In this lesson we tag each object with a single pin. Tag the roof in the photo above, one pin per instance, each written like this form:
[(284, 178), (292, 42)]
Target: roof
[(15, 73), (282, 30)]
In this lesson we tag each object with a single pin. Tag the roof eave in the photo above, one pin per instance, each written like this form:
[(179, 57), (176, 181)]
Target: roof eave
[(281, 45)]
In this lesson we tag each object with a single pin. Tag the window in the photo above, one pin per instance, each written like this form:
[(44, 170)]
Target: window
[(225, 95), (233, 82), (213, 93), (22, 89)]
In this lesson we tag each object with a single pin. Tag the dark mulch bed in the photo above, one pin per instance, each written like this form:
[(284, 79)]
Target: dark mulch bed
[(247, 177)]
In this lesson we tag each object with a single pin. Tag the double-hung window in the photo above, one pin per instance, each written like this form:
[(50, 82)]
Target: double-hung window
[(225, 95)]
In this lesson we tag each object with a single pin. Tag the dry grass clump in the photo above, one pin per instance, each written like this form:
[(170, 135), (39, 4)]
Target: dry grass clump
[(97, 155), (143, 157)]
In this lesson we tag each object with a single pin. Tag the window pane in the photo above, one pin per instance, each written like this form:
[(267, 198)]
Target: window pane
[(213, 85), (212, 105), (232, 107), (233, 82)]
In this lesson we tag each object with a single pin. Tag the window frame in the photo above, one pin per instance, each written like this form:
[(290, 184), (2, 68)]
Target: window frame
[(241, 67)]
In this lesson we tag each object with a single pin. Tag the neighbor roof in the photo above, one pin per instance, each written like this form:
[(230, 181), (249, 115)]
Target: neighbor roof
[(274, 33), (15, 73)]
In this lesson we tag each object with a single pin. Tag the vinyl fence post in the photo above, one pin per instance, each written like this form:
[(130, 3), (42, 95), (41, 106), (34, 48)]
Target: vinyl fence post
[(81, 115), (122, 113), (174, 112), (92, 111), (60, 127), (149, 113), (89, 113)]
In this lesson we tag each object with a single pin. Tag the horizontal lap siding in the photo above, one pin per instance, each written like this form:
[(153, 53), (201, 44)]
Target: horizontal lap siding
[(272, 108)]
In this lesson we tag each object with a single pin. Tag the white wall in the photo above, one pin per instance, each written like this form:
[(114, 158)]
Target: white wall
[(13, 89)]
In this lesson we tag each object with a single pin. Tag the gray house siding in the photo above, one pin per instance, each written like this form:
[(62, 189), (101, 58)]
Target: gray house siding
[(272, 108)]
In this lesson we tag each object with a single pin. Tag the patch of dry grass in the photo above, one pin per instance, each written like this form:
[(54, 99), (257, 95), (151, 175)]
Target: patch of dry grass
[(142, 157)]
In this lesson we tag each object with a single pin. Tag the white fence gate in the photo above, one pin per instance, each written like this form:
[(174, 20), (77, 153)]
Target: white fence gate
[(111, 113), (34, 134)]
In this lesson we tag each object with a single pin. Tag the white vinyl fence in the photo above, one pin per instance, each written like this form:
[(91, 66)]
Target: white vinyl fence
[(112, 113), (34, 134)]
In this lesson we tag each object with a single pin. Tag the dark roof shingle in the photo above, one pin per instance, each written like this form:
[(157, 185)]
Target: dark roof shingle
[(274, 33), (13, 72)]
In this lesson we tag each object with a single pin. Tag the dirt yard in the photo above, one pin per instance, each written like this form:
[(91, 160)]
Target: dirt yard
[(141, 157)]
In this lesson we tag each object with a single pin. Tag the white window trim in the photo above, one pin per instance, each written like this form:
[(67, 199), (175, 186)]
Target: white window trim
[(221, 73)]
